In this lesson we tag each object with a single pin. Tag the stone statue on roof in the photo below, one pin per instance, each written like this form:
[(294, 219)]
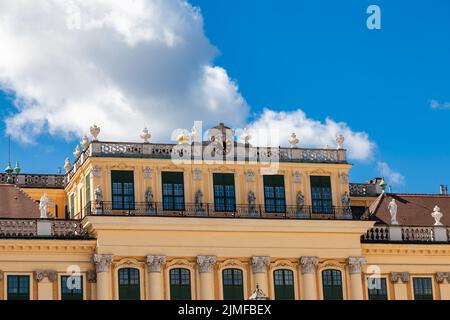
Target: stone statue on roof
[(43, 206), (392, 207)]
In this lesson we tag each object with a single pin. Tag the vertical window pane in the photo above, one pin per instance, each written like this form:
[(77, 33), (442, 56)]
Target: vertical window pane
[(122, 186), (274, 194), (173, 190), (423, 289), (233, 286), (18, 287), (284, 284), (129, 284), (71, 288), (321, 194), (180, 284), (332, 285), (224, 192), (379, 289)]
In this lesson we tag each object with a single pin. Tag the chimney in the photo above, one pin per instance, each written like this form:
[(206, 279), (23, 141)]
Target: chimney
[(443, 189)]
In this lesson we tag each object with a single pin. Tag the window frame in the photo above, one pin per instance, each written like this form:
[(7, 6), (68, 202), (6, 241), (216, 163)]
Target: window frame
[(284, 287), (129, 286), (170, 181), (224, 180), (414, 287), (30, 287), (234, 286), (188, 288), (279, 202), (127, 201), (61, 281), (383, 280), (324, 202), (340, 296)]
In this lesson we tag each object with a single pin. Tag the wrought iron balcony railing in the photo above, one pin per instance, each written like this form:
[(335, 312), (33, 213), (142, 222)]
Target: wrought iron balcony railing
[(35, 228), (209, 210)]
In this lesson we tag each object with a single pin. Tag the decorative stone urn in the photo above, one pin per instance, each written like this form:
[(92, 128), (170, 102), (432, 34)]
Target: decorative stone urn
[(293, 140), (84, 142), (67, 165), (95, 131), (145, 135), (437, 215), (340, 141), (183, 137), (77, 152)]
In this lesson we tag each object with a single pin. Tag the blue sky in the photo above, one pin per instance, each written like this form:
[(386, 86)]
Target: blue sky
[(319, 56)]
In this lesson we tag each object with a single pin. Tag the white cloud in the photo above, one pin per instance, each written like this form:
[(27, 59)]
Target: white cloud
[(120, 64), (392, 176), (277, 127), (436, 105)]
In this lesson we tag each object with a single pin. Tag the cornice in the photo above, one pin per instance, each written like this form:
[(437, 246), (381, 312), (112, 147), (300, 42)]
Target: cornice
[(54, 246)]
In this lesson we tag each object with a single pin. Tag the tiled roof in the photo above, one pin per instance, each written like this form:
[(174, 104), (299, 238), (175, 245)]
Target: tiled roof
[(14, 203), (412, 209)]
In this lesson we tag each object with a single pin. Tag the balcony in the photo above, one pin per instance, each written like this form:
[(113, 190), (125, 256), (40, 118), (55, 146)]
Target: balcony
[(407, 234), (209, 210), (48, 181), (40, 228)]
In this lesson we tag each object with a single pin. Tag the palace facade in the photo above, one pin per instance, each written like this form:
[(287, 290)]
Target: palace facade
[(214, 220)]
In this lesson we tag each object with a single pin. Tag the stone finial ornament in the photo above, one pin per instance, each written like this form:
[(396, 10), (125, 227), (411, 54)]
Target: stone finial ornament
[(340, 142), (183, 137), (392, 207), (95, 131), (293, 140), (43, 206), (437, 215), (67, 165), (246, 136), (145, 135), (77, 152), (84, 142)]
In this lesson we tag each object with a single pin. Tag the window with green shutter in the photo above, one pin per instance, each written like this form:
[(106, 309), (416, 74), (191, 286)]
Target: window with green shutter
[(173, 190), (129, 284), (284, 284), (72, 205), (322, 201), (332, 285), (88, 189), (233, 284), (423, 289), (71, 287), (180, 284), (18, 287), (274, 193), (122, 190), (224, 192), (378, 289)]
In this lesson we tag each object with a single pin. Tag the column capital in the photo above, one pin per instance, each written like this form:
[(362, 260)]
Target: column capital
[(259, 264), (355, 264), (154, 263), (308, 264), (39, 275), (102, 262), (441, 276), (396, 276), (205, 263)]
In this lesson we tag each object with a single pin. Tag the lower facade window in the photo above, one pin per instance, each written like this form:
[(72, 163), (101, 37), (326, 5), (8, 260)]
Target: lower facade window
[(377, 289), (284, 284), (129, 287), (233, 284), (180, 284), (18, 287), (332, 285), (71, 287), (423, 289)]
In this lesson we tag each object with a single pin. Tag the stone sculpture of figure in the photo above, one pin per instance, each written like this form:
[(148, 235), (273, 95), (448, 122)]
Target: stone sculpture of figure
[(98, 196), (346, 203), (251, 201), (43, 206), (392, 207), (199, 201), (149, 199)]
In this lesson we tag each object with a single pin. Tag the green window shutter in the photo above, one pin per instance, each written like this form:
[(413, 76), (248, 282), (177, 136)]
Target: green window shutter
[(88, 189), (71, 287), (274, 194), (180, 284), (233, 284), (380, 292), (18, 287), (332, 285), (122, 186), (284, 284), (129, 284), (322, 200), (72, 205), (423, 288)]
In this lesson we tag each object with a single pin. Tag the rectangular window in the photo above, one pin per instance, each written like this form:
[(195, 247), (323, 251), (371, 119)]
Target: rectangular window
[(423, 289), (274, 194), (18, 287), (321, 195), (72, 205), (88, 189), (122, 190), (379, 289), (71, 287), (173, 190), (224, 192)]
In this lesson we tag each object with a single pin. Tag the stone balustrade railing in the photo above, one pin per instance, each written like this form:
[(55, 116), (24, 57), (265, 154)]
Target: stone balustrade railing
[(364, 190), (35, 228), (407, 234), (35, 180)]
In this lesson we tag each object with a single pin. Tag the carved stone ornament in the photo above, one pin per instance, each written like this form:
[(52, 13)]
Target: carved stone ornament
[(392, 207), (259, 264), (154, 263), (85, 142), (102, 262), (355, 264), (343, 178), (340, 141), (92, 276), (441, 276), (39, 275), (205, 263), (95, 131), (308, 264), (97, 171), (148, 173), (297, 177), (67, 165), (437, 215), (197, 174), (249, 175), (396, 276), (43, 206)]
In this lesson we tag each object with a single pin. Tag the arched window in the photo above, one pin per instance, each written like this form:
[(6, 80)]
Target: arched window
[(284, 284), (129, 286), (180, 284), (233, 284), (332, 285)]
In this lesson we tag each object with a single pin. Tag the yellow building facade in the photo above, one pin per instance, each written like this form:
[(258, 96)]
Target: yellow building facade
[(213, 220)]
